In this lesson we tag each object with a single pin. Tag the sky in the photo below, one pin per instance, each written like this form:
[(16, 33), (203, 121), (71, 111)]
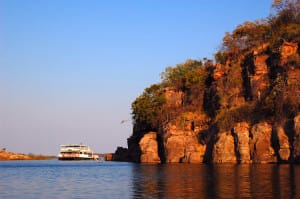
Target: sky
[(70, 69)]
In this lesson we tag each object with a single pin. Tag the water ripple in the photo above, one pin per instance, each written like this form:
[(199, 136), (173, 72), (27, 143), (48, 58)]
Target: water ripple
[(59, 179)]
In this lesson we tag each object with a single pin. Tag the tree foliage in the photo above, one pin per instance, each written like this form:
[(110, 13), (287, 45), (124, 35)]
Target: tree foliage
[(146, 108), (246, 36), (185, 75), (285, 23)]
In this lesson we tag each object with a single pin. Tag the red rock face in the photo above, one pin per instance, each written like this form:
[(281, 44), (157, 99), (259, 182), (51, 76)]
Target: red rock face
[(294, 78), (174, 148), (284, 150), (173, 97), (260, 80), (261, 145), (288, 49), (235, 84), (224, 149), (241, 131), (149, 148), (219, 71), (296, 143), (183, 146), (244, 144), (260, 64)]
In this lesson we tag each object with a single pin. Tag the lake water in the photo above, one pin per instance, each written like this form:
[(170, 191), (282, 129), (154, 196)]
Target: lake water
[(60, 179)]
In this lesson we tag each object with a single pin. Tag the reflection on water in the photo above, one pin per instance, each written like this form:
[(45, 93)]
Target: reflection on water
[(57, 179), (216, 181)]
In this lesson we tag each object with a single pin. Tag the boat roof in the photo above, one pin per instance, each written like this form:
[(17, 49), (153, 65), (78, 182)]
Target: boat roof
[(74, 145)]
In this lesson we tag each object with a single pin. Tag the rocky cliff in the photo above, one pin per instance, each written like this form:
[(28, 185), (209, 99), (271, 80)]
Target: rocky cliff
[(245, 143), (242, 108)]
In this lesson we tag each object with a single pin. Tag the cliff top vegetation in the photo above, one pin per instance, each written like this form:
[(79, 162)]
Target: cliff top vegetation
[(236, 85)]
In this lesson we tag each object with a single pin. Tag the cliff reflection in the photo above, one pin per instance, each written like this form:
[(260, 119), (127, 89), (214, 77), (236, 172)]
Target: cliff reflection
[(216, 181)]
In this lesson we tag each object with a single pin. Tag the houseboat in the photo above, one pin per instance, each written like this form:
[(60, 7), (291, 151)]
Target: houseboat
[(76, 152)]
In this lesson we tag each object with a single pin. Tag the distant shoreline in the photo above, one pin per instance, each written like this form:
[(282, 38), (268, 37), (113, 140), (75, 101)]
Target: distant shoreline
[(7, 156)]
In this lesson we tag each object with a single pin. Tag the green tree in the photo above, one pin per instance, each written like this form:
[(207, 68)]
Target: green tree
[(185, 75), (147, 108), (245, 36), (190, 78), (285, 23)]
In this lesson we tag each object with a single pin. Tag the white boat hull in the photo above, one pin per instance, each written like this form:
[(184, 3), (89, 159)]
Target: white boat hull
[(76, 152)]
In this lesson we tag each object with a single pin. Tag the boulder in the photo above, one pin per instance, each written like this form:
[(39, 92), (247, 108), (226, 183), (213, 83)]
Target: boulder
[(261, 144), (224, 149), (149, 148)]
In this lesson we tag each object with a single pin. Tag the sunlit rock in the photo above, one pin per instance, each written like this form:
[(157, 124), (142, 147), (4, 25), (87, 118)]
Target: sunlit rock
[(224, 149), (261, 145), (296, 143), (241, 131), (149, 148), (284, 150)]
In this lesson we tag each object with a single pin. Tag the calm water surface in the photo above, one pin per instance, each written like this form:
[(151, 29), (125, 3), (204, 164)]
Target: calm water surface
[(60, 179)]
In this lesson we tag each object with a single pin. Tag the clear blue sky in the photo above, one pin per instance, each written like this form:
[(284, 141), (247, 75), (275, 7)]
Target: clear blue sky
[(69, 69)]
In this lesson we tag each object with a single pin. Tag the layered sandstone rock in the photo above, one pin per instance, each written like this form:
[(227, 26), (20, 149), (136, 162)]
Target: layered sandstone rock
[(149, 148), (194, 152), (241, 131), (296, 143), (260, 64), (259, 80), (174, 146), (261, 145), (288, 49), (224, 149), (284, 150), (183, 146), (173, 97)]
